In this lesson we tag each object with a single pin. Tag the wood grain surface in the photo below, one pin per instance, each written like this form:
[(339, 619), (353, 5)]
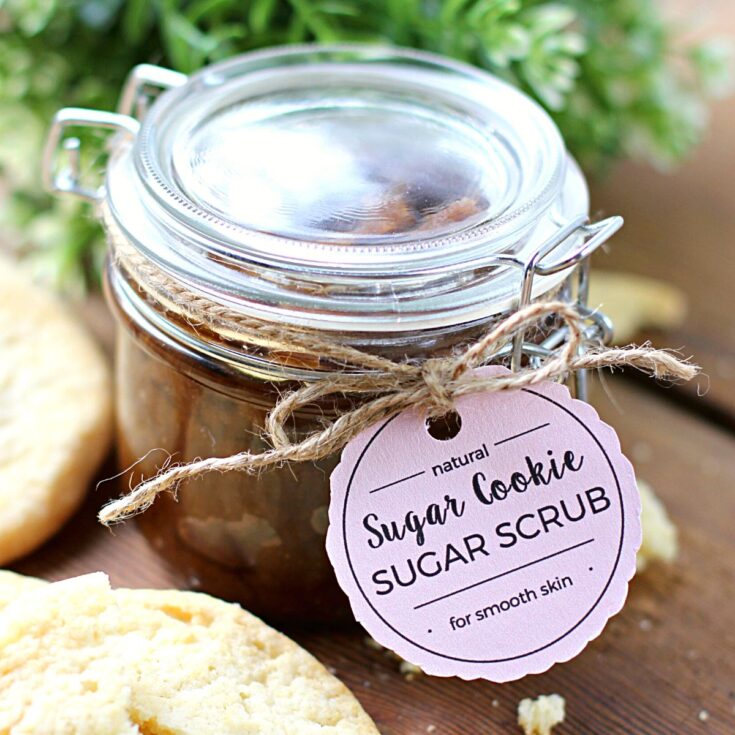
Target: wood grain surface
[(662, 662)]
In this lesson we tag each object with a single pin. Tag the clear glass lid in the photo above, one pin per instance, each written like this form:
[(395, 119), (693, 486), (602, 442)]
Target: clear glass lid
[(349, 146), (346, 186), (343, 165)]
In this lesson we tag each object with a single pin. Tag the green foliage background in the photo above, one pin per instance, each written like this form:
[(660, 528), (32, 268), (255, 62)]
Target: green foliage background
[(615, 77)]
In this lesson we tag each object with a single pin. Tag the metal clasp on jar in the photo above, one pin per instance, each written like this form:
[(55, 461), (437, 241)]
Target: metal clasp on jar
[(600, 327), (62, 174)]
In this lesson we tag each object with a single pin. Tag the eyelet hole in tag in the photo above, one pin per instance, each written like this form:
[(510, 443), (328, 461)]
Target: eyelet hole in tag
[(493, 554), (446, 427)]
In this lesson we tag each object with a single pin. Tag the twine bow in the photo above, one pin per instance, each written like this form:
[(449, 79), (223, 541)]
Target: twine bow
[(387, 387)]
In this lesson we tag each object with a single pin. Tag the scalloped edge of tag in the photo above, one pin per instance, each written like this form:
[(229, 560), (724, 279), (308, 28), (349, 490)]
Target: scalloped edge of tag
[(615, 597)]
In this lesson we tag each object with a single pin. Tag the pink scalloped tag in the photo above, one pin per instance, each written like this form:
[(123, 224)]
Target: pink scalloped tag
[(496, 553)]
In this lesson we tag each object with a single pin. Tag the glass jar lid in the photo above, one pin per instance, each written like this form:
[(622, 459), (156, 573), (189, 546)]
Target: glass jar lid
[(346, 187), (343, 165), (380, 150)]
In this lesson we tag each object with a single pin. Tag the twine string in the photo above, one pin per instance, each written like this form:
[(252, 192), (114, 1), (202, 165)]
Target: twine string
[(383, 388)]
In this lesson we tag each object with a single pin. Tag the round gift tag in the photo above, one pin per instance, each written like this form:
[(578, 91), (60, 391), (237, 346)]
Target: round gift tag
[(495, 549)]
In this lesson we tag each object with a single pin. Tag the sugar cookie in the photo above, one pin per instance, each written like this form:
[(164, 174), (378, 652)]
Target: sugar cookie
[(77, 658), (55, 413)]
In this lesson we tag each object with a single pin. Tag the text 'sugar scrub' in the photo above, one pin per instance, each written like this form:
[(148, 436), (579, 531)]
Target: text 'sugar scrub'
[(493, 554)]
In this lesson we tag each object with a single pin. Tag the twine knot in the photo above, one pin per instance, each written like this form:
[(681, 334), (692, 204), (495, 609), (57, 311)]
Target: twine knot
[(438, 375)]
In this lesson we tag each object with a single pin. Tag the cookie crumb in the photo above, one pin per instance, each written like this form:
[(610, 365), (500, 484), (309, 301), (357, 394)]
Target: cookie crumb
[(539, 716), (409, 670), (431, 728), (645, 625), (372, 643), (703, 715), (495, 703), (659, 533)]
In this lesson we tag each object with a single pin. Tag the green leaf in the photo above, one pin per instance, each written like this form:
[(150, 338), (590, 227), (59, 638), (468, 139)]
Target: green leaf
[(261, 14), (344, 9), (451, 9), (187, 46), (317, 23), (201, 9), (31, 17), (137, 20), (549, 18), (713, 63), (488, 11)]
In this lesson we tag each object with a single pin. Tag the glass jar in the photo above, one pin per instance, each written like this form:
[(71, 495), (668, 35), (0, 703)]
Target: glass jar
[(395, 201)]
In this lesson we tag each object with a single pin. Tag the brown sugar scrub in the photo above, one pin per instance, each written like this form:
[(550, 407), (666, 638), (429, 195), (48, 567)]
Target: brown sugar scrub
[(383, 201), (397, 215), (255, 537)]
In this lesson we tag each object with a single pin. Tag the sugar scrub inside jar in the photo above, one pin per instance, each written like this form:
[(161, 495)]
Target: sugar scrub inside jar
[(392, 201)]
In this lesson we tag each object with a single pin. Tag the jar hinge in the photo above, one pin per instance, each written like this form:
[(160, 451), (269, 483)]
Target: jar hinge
[(143, 84), (592, 236), (67, 178)]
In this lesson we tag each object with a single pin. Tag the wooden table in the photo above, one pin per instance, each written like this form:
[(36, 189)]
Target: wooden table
[(666, 658), (666, 664)]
